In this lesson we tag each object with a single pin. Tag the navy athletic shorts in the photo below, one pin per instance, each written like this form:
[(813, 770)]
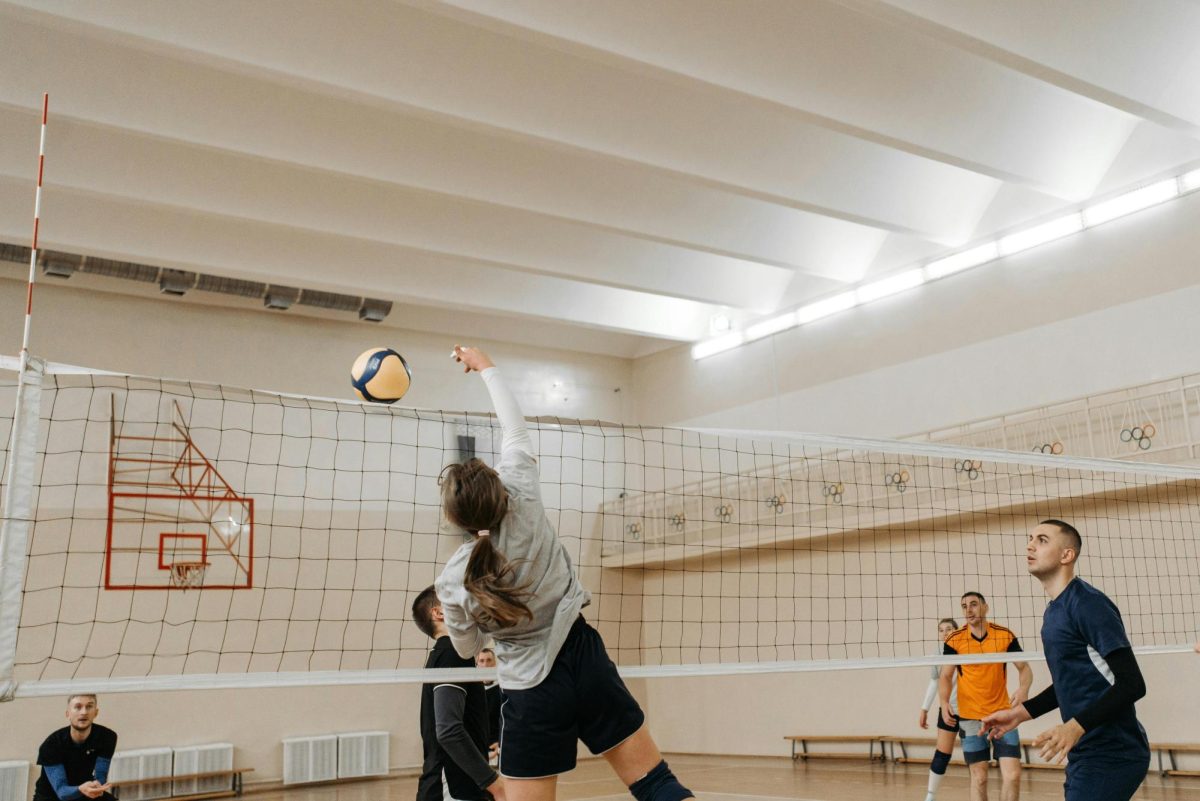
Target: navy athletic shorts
[(1101, 778), (582, 698)]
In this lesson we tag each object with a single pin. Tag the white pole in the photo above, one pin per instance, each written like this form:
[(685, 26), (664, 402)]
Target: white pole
[(16, 516)]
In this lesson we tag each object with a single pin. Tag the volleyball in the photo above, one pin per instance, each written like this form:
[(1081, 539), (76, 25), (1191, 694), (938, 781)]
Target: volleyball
[(380, 375)]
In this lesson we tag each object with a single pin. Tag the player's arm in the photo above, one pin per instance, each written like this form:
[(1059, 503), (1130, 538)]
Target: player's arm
[(449, 708), (57, 774), (512, 421), (931, 698), (1128, 687), (945, 685), (465, 634), (1024, 675)]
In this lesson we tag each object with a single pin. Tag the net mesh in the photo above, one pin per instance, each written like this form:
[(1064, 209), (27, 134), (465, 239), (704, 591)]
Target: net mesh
[(194, 529)]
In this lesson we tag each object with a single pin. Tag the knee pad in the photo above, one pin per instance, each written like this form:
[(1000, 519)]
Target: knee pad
[(940, 760), (659, 784)]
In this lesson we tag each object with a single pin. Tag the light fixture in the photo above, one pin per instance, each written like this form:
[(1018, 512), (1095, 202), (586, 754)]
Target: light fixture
[(1041, 234), (1189, 182), (962, 261), (280, 297), (175, 282), (770, 326), (58, 268), (826, 307), (1130, 202), (890, 286), (720, 323), (702, 350), (373, 310)]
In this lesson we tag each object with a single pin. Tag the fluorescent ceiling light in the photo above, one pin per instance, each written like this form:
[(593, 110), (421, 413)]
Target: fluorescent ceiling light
[(1130, 202), (890, 286), (962, 261), (712, 347), (1041, 234), (1190, 181), (824, 308), (774, 325)]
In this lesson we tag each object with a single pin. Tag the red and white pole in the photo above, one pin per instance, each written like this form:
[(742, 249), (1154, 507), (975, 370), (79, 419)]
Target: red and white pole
[(33, 254)]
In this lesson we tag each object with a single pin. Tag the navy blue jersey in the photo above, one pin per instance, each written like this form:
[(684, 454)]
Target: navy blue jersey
[(1079, 629)]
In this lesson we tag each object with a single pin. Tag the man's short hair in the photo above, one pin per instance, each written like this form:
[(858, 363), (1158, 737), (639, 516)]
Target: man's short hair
[(73, 696), (487, 651), (978, 595), (1073, 537), (422, 610)]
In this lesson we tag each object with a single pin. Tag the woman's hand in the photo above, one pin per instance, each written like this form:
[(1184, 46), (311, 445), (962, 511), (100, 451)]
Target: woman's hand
[(472, 359)]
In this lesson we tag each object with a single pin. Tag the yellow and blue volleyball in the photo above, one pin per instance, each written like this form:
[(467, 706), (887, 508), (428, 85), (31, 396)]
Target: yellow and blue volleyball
[(380, 375)]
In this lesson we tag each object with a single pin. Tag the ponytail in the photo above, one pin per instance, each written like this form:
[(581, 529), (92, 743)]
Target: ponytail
[(491, 580), (474, 498)]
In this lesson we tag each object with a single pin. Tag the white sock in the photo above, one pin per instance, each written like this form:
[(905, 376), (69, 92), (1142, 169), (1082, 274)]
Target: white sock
[(934, 780)]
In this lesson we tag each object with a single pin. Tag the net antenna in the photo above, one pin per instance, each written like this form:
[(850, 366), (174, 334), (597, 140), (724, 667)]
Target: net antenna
[(16, 505)]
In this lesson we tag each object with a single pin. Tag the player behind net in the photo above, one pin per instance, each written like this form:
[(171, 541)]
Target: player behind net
[(514, 582)]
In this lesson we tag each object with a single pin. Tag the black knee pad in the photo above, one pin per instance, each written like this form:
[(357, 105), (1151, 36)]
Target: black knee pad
[(659, 784), (940, 760)]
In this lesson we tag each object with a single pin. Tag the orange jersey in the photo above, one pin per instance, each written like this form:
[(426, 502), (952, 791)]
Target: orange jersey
[(982, 689)]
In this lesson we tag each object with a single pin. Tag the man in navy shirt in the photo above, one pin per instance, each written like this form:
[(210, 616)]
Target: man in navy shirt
[(1095, 678)]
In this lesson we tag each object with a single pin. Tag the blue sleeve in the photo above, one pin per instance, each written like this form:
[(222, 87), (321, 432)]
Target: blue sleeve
[(57, 774), (101, 772), (1100, 624)]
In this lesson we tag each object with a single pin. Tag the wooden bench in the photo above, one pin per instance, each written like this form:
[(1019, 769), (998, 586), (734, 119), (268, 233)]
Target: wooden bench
[(1171, 749), (235, 784), (805, 739), (891, 742)]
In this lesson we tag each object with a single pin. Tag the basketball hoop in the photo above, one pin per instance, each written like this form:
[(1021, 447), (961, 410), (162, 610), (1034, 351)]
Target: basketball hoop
[(186, 575)]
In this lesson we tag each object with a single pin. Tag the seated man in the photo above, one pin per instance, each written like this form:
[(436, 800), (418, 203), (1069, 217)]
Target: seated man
[(75, 759)]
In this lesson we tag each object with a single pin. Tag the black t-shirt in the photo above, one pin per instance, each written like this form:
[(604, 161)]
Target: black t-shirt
[(475, 722), (79, 759)]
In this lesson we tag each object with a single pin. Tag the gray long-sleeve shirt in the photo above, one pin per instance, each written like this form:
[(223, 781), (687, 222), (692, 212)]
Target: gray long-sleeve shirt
[(524, 652)]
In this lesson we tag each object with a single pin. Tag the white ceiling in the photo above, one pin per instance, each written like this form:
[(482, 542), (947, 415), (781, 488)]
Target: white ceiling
[(604, 175)]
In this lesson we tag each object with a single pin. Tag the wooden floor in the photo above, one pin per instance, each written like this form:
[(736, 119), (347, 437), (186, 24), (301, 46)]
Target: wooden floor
[(762, 779)]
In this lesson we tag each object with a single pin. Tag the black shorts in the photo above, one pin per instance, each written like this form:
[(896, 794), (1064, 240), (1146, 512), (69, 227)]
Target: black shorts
[(941, 723), (582, 698)]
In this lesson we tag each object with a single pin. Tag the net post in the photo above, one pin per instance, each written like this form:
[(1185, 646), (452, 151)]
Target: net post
[(16, 515)]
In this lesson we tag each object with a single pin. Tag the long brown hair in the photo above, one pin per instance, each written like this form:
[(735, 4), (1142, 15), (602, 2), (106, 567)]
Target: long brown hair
[(474, 498)]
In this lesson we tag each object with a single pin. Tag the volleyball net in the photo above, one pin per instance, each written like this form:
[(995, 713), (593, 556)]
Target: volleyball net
[(183, 535)]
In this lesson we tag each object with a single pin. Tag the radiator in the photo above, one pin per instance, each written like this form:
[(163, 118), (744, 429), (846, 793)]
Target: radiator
[(202, 759), (144, 763), (309, 759), (363, 753), (14, 781)]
